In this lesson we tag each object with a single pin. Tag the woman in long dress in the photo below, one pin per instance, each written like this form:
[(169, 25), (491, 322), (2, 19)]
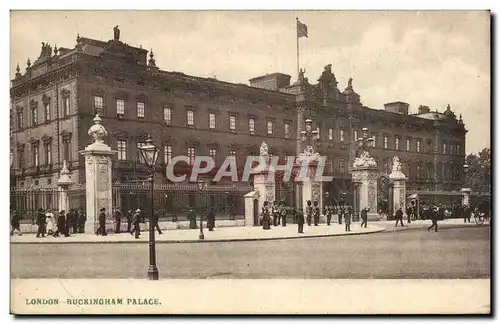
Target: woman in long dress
[(266, 217), (50, 222)]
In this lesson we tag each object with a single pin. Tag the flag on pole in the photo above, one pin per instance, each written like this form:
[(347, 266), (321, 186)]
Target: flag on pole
[(301, 29)]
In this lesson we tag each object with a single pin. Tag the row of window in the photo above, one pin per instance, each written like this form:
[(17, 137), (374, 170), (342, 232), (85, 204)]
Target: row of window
[(35, 119), (47, 154)]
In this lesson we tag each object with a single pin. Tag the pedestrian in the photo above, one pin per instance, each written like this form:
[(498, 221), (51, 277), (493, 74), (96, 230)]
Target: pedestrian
[(211, 219), (69, 221), (341, 212), (399, 216), (328, 212), (434, 215), (61, 225), (316, 212), (118, 220), (74, 221), (192, 219), (409, 214), (82, 218), (15, 223), (364, 216), (266, 218), (283, 213), (466, 213), (49, 216), (41, 221), (155, 222), (102, 223), (309, 212), (347, 219), (129, 220), (136, 231), (274, 211), (300, 221)]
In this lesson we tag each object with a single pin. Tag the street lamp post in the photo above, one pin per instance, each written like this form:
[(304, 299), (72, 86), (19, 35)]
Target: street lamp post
[(201, 186), (149, 153)]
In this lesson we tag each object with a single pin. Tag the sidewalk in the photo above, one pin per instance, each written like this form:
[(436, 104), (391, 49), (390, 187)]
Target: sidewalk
[(424, 224), (222, 234)]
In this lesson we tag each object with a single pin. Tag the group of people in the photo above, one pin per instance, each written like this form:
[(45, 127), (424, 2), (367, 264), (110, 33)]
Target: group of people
[(53, 224), (274, 214), (209, 217)]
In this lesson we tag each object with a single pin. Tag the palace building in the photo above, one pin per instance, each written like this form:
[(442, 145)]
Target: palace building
[(55, 100)]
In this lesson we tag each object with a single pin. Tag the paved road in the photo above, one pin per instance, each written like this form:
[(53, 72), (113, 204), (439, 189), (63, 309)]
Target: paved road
[(450, 253)]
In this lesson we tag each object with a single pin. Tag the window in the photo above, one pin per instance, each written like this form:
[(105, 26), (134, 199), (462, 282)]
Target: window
[(66, 148), (269, 127), (444, 148), (34, 116), (190, 118), (99, 105), (396, 144), (122, 150), (419, 170), (342, 165), (342, 136), (213, 153), (19, 119), (374, 142), (211, 121), (20, 157), (232, 123), (140, 158), (318, 132), (330, 134), (232, 152), (386, 167), (140, 110), (452, 149), (191, 155), (167, 116), (418, 146), (36, 160), (355, 135), (251, 125), (408, 147), (120, 107), (48, 153), (458, 149), (65, 106), (430, 148), (167, 154), (386, 140), (287, 130), (49, 182), (47, 111)]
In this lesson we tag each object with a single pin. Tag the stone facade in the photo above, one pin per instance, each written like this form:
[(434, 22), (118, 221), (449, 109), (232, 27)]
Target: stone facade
[(98, 76)]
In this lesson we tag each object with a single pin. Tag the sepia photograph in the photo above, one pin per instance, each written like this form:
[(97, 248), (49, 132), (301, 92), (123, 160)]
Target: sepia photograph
[(250, 162)]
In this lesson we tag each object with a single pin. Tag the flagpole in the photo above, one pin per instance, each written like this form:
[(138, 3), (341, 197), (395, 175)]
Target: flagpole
[(297, 34)]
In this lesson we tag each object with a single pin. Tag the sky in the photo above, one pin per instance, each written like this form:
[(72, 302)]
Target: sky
[(432, 58)]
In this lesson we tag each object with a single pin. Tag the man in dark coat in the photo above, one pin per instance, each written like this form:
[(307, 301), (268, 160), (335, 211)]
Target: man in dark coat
[(136, 222), (316, 213), (129, 220), (266, 217), (61, 225), (309, 212), (192, 219), (76, 219), (409, 213), (347, 219), (69, 220), (364, 216), (341, 212), (433, 214), (118, 220), (328, 213), (275, 213), (211, 219), (283, 212), (399, 217), (82, 218), (466, 211), (41, 221), (102, 223), (300, 220), (15, 223), (155, 222)]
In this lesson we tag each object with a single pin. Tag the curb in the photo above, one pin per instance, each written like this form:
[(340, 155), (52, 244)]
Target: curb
[(161, 241)]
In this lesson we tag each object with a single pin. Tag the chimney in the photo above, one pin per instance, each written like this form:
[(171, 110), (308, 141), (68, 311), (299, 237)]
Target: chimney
[(273, 81), (397, 107), (424, 109)]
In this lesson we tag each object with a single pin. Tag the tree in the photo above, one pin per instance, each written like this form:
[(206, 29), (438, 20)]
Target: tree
[(478, 177)]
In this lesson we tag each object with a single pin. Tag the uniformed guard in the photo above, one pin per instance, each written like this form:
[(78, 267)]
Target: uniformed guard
[(316, 213), (275, 213), (300, 220), (347, 219), (118, 220), (399, 217), (211, 219), (364, 216), (41, 221), (136, 231), (328, 212), (283, 212), (266, 218), (102, 223)]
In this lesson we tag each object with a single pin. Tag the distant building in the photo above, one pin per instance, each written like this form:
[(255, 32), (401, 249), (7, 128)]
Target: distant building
[(54, 101)]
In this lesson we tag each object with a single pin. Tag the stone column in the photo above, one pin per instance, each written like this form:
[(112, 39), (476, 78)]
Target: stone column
[(265, 187), (98, 174), (465, 196), (312, 190), (398, 180), (63, 183), (366, 178)]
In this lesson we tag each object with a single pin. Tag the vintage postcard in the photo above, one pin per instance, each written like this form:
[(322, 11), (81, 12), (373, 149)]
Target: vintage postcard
[(250, 162)]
